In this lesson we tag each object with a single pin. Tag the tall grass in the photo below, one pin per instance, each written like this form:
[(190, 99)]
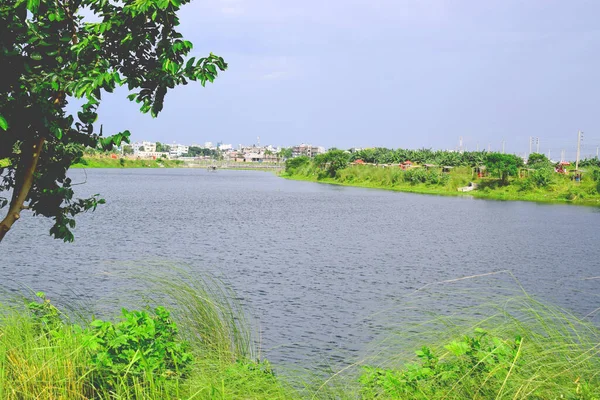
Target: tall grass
[(554, 353), (529, 349), (532, 186), (40, 364)]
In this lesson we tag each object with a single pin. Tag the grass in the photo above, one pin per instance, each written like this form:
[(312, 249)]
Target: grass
[(505, 346), (108, 162), (443, 341), (59, 362), (560, 188)]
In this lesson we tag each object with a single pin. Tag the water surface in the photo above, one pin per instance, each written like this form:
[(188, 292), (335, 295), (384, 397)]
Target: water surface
[(310, 260)]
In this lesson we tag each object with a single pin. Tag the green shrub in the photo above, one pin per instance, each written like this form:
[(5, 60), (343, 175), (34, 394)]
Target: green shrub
[(437, 178), (480, 357), (542, 177), (139, 344), (292, 164), (415, 175)]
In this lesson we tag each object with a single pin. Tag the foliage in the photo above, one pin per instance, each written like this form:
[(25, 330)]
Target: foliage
[(332, 161), (380, 155), (45, 355), (542, 184), (107, 162), (127, 149), (139, 344), (194, 151), (590, 162), (415, 175), (503, 165), (44, 313), (542, 176), (162, 148), (538, 160), (50, 55), (285, 153), (292, 164), (480, 357)]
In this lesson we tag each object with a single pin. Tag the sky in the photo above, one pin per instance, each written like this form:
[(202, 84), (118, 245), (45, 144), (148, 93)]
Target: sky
[(389, 73)]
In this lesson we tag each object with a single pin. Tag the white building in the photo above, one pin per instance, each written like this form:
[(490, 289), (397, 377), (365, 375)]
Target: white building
[(226, 147), (177, 150), (146, 147), (307, 150), (152, 154)]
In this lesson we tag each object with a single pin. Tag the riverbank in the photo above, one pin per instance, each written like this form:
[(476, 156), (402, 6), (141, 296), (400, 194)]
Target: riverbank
[(559, 188), (204, 349), (109, 162)]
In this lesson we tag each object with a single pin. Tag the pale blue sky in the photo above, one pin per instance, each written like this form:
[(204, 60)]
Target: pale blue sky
[(393, 73)]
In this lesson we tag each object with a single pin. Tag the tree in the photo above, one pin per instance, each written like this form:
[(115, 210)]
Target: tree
[(332, 161), (285, 153), (162, 148), (51, 55), (503, 165), (194, 151), (538, 160), (127, 149), (292, 164)]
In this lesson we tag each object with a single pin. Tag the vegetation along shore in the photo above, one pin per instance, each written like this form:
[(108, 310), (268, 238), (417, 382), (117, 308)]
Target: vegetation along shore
[(477, 174), (204, 348)]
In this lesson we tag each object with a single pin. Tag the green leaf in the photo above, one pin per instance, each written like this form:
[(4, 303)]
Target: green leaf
[(33, 5), (457, 348), (3, 123)]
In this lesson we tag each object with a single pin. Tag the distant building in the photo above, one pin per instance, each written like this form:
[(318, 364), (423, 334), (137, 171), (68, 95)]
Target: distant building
[(307, 150), (253, 157), (177, 150), (145, 147), (151, 154), (225, 147)]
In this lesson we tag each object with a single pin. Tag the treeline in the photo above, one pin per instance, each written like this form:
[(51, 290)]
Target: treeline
[(328, 164), (381, 155)]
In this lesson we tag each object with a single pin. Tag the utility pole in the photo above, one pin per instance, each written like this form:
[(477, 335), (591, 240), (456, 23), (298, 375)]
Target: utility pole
[(579, 139), (460, 144), (597, 148), (489, 147), (548, 154), (530, 143), (477, 146), (537, 140)]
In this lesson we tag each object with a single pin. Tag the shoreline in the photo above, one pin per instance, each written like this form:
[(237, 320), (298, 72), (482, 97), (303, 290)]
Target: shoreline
[(594, 202)]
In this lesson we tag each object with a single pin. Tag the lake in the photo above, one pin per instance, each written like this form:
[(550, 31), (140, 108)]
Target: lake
[(316, 265)]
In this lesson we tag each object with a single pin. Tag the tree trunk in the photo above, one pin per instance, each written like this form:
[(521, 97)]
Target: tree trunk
[(23, 182)]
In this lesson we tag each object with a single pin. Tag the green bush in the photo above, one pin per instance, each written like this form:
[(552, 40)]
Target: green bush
[(139, 344), (480, 357), (437, 178), (542, 177), (292, 164), (415, 175)]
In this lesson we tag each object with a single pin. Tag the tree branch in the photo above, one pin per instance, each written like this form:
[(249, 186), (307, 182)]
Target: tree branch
[(23, 183)]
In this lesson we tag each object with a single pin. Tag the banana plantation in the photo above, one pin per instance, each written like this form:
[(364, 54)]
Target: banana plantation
[(380, 155)]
